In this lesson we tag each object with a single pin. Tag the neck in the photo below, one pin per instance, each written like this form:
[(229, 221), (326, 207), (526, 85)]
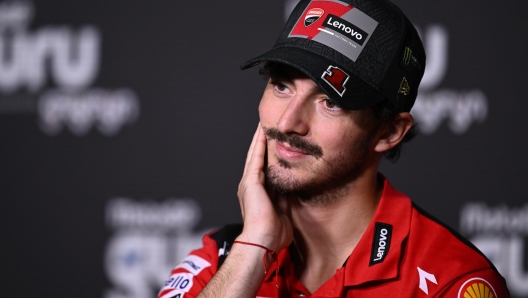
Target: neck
[(326, 234)]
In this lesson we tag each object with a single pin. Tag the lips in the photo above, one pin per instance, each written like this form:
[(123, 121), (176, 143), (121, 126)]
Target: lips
[(284, 150)]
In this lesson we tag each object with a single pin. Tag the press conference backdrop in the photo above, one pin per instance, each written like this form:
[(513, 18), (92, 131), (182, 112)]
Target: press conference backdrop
[(124, 127)]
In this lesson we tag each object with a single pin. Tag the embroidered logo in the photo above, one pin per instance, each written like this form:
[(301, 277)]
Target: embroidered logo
[(407, 56), (346, 28), (335, 24), (409, 61), (477, 288), (424, 277), (336, 78), (193, 264), (380, 243), (405, 89), (181, 282), (312, 16)]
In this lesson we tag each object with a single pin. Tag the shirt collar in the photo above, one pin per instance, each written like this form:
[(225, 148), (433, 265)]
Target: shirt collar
[(394, 209)]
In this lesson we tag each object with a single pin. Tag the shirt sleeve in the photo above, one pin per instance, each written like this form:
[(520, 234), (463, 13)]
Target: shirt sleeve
[(483, 283), (191, 275)]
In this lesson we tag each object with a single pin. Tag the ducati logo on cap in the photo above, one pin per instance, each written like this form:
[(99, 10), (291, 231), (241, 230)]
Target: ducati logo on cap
[(312, 16), (336, 78)]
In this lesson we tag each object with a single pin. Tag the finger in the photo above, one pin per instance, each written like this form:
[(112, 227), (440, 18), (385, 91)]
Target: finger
[(256, 163), (242, 210), (250, 151)]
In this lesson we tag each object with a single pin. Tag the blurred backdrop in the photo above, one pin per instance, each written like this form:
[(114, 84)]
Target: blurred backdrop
[(124, 127)]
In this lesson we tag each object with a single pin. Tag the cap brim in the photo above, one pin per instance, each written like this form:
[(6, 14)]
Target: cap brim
[(359, 94)]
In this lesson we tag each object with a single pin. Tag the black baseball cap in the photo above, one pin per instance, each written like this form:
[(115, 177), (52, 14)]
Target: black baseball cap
[(359, 52)]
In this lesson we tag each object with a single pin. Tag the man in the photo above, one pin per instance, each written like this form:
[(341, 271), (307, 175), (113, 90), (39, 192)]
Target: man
[(319, 220)]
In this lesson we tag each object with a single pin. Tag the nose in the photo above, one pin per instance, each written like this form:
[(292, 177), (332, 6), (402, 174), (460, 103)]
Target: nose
[(295, 117)]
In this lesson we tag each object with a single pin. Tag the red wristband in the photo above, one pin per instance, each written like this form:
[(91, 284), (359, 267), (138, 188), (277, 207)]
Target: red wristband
[(268, 251)]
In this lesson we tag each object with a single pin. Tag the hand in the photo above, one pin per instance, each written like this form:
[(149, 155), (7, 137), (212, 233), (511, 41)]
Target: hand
[(266, 221)]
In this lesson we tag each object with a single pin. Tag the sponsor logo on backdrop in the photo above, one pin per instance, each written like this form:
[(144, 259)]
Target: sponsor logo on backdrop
[(459, 108), (436, 104), (148, 240), (501, 233), (50, 71)]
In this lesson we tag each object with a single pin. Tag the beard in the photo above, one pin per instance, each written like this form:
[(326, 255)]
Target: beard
[(333, 175)]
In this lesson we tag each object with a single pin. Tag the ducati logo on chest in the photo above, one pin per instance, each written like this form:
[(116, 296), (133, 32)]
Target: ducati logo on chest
[(312, 16)]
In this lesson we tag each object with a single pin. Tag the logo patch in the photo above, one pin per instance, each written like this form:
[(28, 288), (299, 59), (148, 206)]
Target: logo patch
[(380, 243), (407, 56), (409, 61), (336, 78), (405, 89), (424, 277), (345, 28), (182, 282), (193, 264), (312, 16), (477, 288)]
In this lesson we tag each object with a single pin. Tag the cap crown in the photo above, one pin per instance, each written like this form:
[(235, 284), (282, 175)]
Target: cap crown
[(358, 51)]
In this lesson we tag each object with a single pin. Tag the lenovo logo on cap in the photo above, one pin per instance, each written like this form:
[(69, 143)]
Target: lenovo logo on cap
[(312, 16), (335, 24), (346, 28)]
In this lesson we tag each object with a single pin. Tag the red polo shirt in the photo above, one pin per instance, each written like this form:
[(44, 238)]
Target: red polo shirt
[(403, 253)]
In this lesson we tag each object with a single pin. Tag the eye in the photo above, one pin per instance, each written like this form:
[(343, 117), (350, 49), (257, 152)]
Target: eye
[(330, 104), (280, 87)]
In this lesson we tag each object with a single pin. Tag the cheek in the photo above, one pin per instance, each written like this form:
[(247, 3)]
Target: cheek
[(267, 111), (331, 131), (334, 143), (263, 112), (336, 139)]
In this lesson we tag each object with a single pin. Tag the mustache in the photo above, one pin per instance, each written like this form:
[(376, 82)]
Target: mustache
[(295, 141)]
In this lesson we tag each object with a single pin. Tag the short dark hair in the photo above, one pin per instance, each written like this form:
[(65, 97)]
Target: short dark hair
[(385, 111)]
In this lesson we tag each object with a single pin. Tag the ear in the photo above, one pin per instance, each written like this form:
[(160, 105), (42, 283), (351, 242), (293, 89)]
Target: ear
[(392, 134)]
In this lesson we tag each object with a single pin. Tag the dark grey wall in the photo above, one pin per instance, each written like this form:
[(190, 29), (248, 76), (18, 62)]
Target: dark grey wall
[(124, 127)]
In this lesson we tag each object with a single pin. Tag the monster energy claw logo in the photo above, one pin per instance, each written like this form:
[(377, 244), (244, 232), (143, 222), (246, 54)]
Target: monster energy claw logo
[(407, 54)]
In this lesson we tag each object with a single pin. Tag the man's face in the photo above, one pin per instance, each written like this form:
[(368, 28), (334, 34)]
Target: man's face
[(313, 145)]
